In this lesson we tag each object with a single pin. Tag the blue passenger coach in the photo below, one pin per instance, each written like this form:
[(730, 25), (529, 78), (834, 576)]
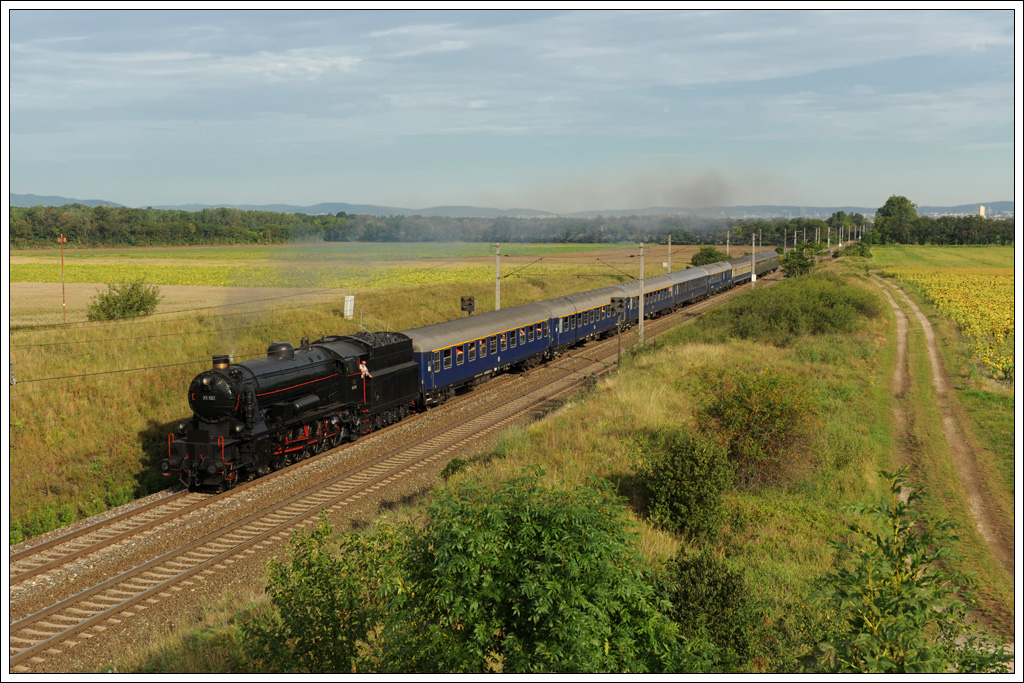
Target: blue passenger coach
[(464, 352)]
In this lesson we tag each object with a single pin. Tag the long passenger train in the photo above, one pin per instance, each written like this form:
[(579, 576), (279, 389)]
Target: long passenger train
[(260, 415)]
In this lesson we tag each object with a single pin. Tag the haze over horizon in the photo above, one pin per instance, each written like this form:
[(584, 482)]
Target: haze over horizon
[(553, 110)]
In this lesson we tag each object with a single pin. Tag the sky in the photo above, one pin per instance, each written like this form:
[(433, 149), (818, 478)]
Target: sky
[(553, 110)]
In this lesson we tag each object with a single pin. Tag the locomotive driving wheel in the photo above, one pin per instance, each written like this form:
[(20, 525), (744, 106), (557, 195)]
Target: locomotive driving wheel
[(278, 461)]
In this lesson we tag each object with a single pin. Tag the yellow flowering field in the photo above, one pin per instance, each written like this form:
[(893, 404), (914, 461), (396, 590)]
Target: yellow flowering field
[(318, 275), (980, 302)]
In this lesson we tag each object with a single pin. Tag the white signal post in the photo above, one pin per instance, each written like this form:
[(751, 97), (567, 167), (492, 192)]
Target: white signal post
[(753, 270), (641, 294), (64, 301)]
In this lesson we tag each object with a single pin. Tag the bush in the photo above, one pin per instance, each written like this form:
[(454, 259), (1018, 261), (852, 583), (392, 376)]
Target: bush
[(124, 301), (821, 303), (321, 612), (894, 600), (683, 476), (526, 579), (758, 416), (862, 249), (707, 254), (711, 599)]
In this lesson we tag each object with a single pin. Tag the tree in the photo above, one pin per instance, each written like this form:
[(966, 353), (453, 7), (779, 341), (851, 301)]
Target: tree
[(796, 261), (707, 254), (896, 221), (124, 301), (894, 598), (538, 579)]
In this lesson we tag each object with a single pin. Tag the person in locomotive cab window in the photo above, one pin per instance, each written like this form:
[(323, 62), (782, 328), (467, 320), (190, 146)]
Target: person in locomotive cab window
[(362, 368)]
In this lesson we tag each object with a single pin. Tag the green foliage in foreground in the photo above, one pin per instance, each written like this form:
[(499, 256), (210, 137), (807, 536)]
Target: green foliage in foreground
[(894, 597), (711, 598), (520, 579), (820, 303), (124, 301)]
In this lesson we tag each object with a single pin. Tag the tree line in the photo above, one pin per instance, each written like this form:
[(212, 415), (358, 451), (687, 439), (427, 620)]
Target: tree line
[(897, 222), (104, 226)]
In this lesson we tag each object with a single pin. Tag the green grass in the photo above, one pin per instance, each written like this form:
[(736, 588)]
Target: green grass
[(327, 251), (930, 256)]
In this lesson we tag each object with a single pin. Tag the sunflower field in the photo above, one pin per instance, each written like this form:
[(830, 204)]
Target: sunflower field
[(980, 303)]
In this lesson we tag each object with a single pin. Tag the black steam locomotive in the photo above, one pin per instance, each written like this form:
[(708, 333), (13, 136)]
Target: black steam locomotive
[(260, 415)]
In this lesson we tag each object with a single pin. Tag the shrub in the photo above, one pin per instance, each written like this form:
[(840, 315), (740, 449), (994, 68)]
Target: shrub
[(683, 476), (821, 303), (759, 416), (894, 598), (533, 578), (124, 301), (711, 599), (321, 612), (707, 254)]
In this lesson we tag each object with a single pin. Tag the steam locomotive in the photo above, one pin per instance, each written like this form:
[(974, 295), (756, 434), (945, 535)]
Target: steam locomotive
[(260, 415), (254, 417)]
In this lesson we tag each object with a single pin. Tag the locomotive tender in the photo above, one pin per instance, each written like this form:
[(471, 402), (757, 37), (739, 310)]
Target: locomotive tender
[(260, 415)]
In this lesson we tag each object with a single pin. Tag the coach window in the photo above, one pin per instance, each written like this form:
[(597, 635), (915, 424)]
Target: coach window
[(483, 348), (522, 336), (494, 345), (531, 333), (460, 357), (504, 342), (437, 361), (447, 358), (512, 338), (472, 351)]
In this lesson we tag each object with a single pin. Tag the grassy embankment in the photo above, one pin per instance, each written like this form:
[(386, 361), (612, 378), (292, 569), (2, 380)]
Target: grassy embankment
[(777, 532), (82, 444)]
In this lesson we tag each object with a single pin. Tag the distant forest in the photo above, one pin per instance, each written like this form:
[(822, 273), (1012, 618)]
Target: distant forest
[(103, 226)]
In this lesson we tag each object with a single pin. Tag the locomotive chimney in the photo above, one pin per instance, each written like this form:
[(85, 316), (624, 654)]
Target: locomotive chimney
[(221, 362)]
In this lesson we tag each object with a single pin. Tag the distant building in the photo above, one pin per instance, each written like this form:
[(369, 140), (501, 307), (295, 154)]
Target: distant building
[(981, 210)]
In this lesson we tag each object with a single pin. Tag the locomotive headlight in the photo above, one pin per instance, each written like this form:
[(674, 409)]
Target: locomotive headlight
[(181, 426), (238, 428), (206, 381)]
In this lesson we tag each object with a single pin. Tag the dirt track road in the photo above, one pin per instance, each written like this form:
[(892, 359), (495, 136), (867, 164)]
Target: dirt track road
[(994, 524)]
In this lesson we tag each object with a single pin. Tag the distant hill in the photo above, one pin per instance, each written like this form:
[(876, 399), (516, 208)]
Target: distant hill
[(22, 200), (734, 212)]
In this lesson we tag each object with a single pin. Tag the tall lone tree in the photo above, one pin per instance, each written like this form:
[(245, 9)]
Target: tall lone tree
[(896, 220)]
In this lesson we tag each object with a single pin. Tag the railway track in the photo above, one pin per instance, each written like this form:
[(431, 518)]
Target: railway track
[(48, 634)]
